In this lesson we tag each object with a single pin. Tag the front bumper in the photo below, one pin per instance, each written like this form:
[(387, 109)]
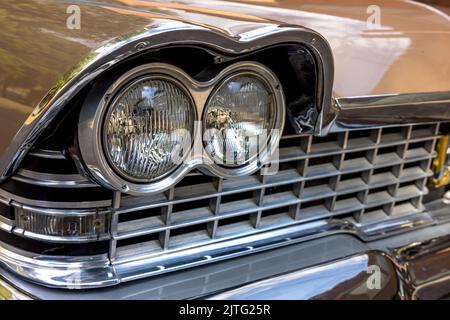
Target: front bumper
[(414, 265), (9, 292)]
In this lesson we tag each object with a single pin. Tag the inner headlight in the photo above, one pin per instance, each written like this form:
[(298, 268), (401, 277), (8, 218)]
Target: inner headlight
[(238, 119), (143, 125)]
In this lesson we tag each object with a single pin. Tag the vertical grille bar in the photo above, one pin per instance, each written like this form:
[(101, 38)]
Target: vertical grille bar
[(114, 225)]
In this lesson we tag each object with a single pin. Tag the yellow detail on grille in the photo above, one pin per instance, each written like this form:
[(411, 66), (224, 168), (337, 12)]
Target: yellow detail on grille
[(441, 166)]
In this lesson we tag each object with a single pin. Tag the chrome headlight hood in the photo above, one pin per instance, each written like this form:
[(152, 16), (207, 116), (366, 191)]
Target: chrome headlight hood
[(155, 32), (115, 30)]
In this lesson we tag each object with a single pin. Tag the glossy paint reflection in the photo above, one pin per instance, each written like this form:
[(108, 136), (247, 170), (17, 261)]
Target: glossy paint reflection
[(402, 55), (37, 49)]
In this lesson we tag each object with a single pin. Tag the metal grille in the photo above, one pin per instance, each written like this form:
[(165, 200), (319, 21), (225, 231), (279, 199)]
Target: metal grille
[(364, 176), (369, 182)]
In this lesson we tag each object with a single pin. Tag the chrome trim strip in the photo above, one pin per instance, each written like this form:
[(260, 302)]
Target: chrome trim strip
[(5, 200), (59, 272), (47, 154), (382, 110), (6, 224), (58, 239), (56, 205), (9, 292), (161, 33), (53, 180), (63, 212)]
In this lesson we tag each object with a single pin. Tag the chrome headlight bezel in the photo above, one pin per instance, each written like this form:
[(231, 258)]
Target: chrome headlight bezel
[(95, 108)]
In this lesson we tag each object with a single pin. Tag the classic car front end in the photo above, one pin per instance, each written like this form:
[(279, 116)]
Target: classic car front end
[(310, 144)]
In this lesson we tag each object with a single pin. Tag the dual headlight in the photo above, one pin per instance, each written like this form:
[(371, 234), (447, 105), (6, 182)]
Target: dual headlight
[(138, 134)]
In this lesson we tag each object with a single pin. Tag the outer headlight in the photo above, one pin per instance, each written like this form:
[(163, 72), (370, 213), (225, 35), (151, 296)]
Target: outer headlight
[(238, 119), (144, 124)]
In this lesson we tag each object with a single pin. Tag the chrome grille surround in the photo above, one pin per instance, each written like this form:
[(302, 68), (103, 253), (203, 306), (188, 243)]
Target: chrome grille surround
[(341, 173), (367, 182)]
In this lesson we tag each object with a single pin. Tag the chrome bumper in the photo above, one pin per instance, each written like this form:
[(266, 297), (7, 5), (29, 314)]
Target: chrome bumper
[(418, 271), (333, 267), (353, 278), (94, 272), (346, 279), (9, 292)]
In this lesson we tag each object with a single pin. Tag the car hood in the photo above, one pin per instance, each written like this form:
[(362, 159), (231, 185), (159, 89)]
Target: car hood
[(407, 52)]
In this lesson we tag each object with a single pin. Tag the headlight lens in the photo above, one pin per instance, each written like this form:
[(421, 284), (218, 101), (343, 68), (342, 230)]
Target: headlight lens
[(238, 119), (144, 124)]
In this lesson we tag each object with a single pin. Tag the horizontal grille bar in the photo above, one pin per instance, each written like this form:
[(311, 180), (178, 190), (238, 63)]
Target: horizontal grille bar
[(53, 180), (48, 154)]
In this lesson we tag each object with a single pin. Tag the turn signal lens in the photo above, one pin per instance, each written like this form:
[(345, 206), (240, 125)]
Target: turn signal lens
[(95, 226)]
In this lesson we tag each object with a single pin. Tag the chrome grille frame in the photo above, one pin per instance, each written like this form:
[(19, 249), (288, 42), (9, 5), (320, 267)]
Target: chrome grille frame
[(261, 202), (368, 182)]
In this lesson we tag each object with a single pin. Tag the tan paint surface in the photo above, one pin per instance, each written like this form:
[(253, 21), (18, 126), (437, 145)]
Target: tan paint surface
[(409, 53)]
